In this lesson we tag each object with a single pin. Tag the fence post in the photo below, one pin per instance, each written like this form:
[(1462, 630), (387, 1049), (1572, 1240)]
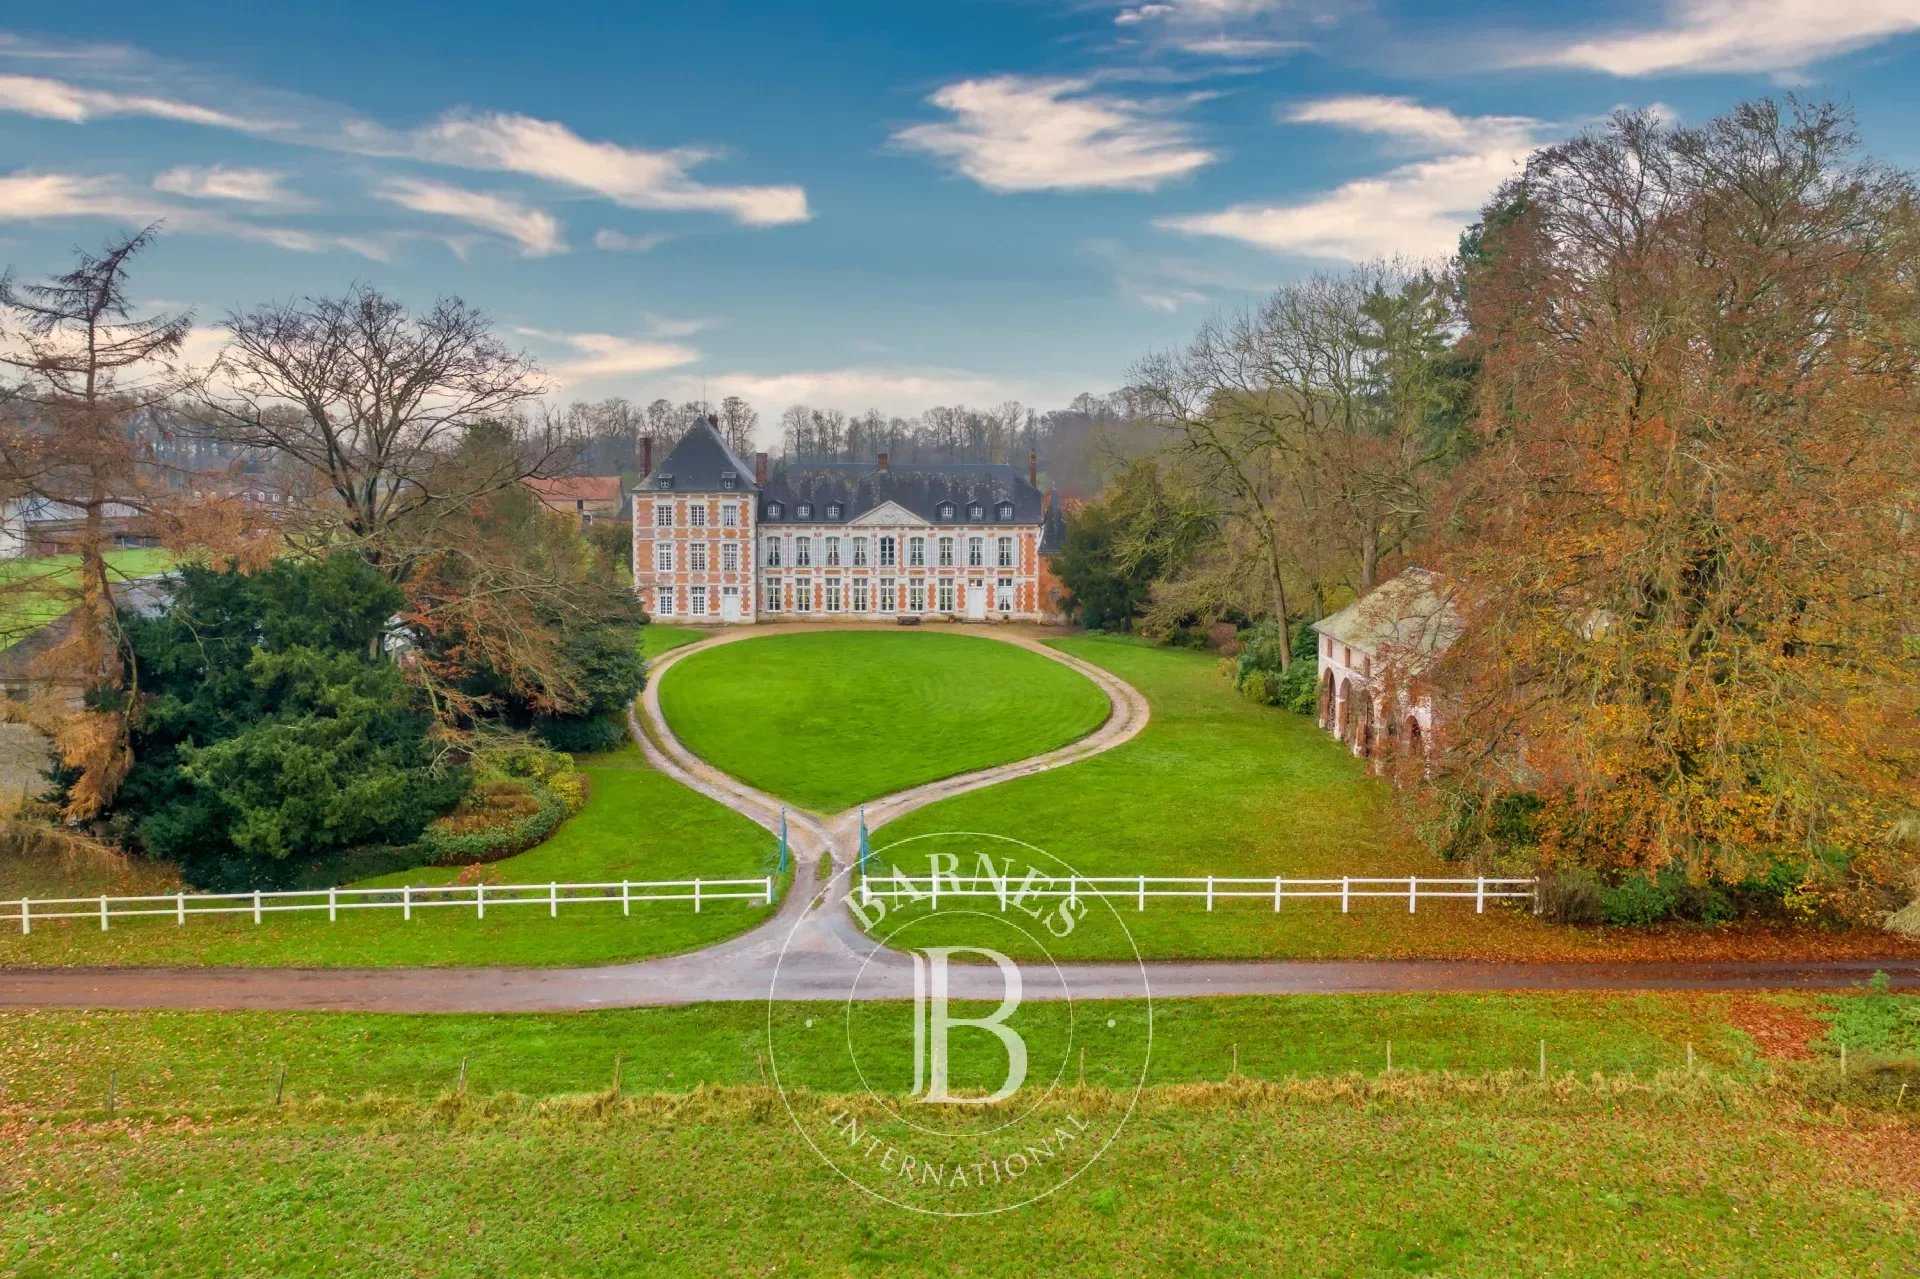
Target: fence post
[(26, 918), (256, 906), (1345, 891), (480, 899), (1143, 892), (1073, 892), (1209, 892), (1536, 894), (553, 900), (1480, 895), (933, 883), (103, 914), (333, 904), (696, 894), (769, 890), (406, 901), (180, 909), (1413, 893), (1276, 893), (626, 897)]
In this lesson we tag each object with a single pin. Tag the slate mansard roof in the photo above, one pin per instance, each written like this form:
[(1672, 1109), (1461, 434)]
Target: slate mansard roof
[(859, 487), (700, 463)]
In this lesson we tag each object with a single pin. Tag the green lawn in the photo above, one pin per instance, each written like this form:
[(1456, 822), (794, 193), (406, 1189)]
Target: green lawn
[(44, 585), (833, 718), (637, 824), (173, 1060), (1312, 1160), (656, 638), (1214, 785)]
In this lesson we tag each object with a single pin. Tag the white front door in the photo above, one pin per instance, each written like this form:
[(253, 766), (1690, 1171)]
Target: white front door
[(977, 600), (729, 603)]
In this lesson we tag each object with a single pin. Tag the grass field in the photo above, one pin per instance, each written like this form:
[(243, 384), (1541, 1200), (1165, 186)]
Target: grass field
[(833, 718), (48, 597), (637, 824), (1217, 785), (1311, 1160)]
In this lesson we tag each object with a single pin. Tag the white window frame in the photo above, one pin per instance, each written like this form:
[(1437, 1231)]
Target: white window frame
[(696, 557), (946, 552), (663, 606), (916, 595), (831, 590), (729, 557), (802, 595), (889, 551), (663, 557), (730, 516), (803, 552), (696, 515), (860, 597), (663, 514), (944, 591), (773, 552), (888, 596), (916, 552), (696, 601), (773, 595), (859, 552), (1004, 553), (976, 552), (1003, 595), (833, 552)]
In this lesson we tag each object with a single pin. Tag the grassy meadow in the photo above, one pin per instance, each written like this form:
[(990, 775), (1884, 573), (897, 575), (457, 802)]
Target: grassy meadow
[(830, 719)]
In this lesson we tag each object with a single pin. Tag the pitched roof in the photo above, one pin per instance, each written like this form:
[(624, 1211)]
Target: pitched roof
[(697, 462), (1409, 613), (860, 487), (571, 488)]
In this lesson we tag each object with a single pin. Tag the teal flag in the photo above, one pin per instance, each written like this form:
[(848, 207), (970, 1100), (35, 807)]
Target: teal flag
[(866, 849), (781, 869)]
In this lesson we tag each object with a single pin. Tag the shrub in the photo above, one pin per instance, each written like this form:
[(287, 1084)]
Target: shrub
[(1260, 687), (1638, 900), (582, 734), (497, 819), (1572, 895)]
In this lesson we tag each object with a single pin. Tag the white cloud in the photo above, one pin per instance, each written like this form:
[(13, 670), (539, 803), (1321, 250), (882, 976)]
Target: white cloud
[(609, 240), (1014, 133), (598, 356), (1738, 35), (29, 197), (534, 230), (1227, 28), (628, 176), (1416, 209), (57, 100), (851, 389), (220, 182)]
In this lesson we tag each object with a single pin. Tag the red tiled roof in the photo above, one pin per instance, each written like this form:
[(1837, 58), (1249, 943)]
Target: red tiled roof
[(569, 488)]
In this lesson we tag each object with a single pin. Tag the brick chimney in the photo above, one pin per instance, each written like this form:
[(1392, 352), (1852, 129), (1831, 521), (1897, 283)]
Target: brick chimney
[(1033, 467), (881, 460), (646, 455), (760, 469)]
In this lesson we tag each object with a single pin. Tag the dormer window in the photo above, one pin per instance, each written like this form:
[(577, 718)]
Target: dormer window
[(806, 511), (946, 510), (835, 510), (975, 511), (1006, 510), (663, 482), (774, 510), (726, 479)]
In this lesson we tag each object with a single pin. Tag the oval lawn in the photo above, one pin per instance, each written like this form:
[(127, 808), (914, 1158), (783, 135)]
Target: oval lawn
[(830, 719)]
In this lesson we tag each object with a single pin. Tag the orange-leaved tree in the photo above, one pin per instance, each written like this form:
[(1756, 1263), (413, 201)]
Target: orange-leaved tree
[(1688, 546)]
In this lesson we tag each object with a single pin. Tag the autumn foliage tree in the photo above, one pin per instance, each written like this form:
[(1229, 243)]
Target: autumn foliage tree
[(84, 366), (1689, 545)]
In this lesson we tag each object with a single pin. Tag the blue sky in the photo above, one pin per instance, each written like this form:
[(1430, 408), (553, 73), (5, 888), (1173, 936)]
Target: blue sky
[(852, 205)]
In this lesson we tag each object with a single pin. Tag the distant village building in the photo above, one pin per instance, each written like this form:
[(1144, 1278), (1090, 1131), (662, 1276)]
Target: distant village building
[(715, 540), (33, 526), (591, 499), (1372, 656)]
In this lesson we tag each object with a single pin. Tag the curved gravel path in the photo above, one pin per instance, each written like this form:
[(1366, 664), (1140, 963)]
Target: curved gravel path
[(817, 948)]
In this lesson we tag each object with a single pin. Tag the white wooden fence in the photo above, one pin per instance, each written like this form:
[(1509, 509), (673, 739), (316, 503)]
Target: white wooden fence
[(406, 899), (1137, 889)]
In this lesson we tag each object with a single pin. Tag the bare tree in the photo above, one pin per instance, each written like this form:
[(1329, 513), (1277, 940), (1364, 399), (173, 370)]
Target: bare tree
[(369, 400), (738, 421)]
